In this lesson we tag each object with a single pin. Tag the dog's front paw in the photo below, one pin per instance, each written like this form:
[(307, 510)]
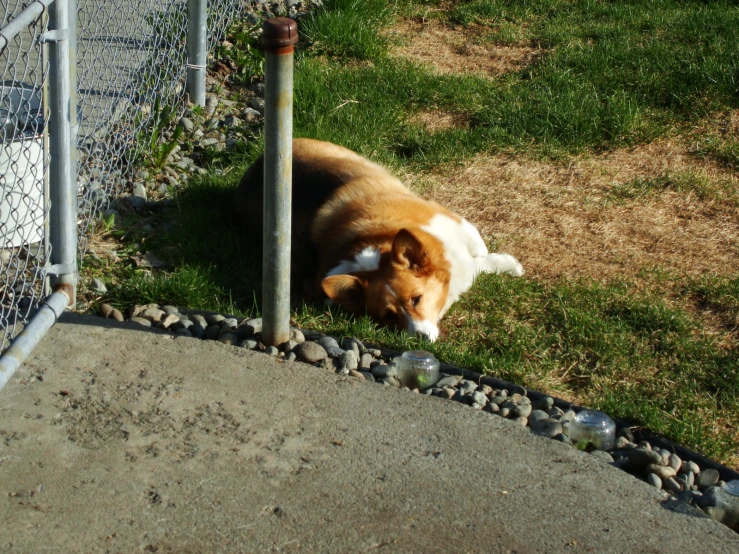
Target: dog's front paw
[(503, 263)]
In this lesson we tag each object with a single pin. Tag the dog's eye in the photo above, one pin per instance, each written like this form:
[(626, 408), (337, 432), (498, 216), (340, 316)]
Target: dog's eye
[(415, 300), (390, 315)]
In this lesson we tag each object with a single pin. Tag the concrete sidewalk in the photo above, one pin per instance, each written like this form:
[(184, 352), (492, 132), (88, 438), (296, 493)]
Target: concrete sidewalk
[(122, 440)]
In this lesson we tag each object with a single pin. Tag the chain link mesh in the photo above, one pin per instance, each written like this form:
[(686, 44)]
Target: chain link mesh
[(23, 169), (131, 67)]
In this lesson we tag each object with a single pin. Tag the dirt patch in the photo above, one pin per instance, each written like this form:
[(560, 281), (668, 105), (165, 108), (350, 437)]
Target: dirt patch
[(448, 50), (563, 219), (435, 121)]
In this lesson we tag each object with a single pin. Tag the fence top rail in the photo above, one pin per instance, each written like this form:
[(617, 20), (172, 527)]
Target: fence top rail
[(22, 20)]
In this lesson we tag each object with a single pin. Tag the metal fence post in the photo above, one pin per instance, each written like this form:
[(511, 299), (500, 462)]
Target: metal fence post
[(62, 162), (279, 35), (197, 18)]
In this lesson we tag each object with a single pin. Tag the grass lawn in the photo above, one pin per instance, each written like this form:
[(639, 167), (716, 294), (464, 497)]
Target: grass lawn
[(596, 141)]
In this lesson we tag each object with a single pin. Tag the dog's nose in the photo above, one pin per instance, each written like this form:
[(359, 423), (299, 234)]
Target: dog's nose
[(425, 329)]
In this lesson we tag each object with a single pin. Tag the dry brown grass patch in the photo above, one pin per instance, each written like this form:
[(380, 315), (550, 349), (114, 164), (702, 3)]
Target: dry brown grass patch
[(560, 219), (435, 121), (448, 50)]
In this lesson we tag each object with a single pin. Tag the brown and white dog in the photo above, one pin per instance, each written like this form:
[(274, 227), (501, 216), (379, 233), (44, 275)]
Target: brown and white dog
[(370, 244)]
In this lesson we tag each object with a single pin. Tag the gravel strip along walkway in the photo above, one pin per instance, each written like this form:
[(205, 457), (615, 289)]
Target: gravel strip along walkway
[(679, 472)]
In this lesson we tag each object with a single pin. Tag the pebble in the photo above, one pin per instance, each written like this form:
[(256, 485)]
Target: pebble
[(228, 338), (556, 411), (368, 376), (154, 315), (365, 362), (383, 370), (251, 344), (99, 286), (348, 360), (654, 480), (492, 408), (287, 346), (478, 399), (674, 462), (547, 428), (139, 190), (295, 334), (537, 415), (707, 478), (328, 342), (170, 310), (353, 345), (252, 327), (187, 125), (168, 320), (689, 466), (663, 472), (670, 485), (448, 381), (184, 323), (310, 352), (522, 410), (141, 321), (641, 457), (291, 357), (197, 330), (250, 115), (622, 443), (258, 105), (182, 332), (272, 351), (215, 319), (466, 386), (545, 403), (335, 351), (109, 312), (499, 399)]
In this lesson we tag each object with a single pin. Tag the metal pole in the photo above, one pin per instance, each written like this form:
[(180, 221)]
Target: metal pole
[(197, 18), (279, 35), (62, 185), (24, 343)]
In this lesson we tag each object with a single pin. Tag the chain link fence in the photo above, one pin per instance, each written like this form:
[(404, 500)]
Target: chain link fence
[(130, 68)]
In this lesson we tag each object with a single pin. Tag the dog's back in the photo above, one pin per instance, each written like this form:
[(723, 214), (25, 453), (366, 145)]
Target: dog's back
[(319, 169)]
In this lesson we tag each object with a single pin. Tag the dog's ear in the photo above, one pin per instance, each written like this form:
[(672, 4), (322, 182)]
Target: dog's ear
[(408, 252), (347, 291)]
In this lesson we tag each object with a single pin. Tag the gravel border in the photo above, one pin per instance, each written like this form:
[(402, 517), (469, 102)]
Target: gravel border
[(679, 472)]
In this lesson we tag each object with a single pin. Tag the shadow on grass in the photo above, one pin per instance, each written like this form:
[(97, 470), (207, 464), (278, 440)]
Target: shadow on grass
[(210, 263)]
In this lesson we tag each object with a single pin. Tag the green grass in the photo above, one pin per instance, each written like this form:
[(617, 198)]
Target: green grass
[(654, 348)]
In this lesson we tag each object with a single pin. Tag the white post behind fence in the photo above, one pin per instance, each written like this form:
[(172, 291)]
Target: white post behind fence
[(197, 18)]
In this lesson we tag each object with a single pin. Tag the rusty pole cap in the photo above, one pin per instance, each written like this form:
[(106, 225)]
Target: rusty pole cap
[(279, 32)]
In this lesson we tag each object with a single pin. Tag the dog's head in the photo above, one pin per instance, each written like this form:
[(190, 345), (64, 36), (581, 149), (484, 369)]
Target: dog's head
[(407, 290)]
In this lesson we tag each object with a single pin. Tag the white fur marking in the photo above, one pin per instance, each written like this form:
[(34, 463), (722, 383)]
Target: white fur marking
[(463, 249), (366, 260), (425, 328), (475, 244)]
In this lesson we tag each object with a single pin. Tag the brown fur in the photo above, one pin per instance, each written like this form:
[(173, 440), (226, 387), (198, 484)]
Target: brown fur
[(343, 203)]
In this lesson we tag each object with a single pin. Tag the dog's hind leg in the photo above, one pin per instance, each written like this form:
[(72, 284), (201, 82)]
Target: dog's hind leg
[(499, 263)]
